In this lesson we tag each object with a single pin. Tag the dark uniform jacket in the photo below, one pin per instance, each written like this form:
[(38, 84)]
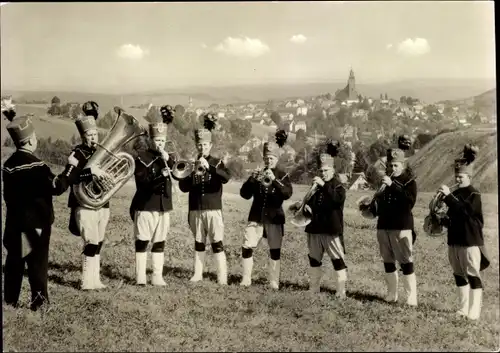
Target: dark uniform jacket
[(205, 192), (28, 188), (267, 205), (153, 190), (327, 206), (76, 175), (396, 202), (465, 225)]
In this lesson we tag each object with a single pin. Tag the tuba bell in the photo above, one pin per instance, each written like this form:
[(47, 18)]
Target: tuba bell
[(110, 158), (301, 217), (435, 221)]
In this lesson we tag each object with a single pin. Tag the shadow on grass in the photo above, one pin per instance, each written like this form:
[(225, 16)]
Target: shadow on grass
[(182, 273), (185, 274)]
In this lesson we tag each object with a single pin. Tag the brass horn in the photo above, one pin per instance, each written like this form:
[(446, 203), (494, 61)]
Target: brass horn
[(433, 222), (300, 218), (263, 178)]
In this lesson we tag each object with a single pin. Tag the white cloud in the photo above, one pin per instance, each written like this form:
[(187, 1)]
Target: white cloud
[(242, 47), (298, 38), (389, 46), (131, 51), (204, 46), (414, 47)]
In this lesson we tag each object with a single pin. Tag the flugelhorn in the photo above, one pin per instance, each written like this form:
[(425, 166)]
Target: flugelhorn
[(365, 201), (300, 218), (434, 222)]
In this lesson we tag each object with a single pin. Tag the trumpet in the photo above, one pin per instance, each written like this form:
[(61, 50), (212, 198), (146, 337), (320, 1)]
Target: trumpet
[(365, 201), (300, 218), (434, 222), (262, 177)]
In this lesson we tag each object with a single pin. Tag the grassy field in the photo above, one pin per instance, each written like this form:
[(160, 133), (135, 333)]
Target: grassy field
[(206, 317)]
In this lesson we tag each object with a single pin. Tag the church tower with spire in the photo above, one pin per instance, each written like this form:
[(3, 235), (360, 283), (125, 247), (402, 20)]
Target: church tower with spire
[(351, 83), (348, 94)]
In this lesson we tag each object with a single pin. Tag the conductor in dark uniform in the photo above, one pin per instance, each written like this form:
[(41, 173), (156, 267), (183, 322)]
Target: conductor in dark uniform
[(29, 186)]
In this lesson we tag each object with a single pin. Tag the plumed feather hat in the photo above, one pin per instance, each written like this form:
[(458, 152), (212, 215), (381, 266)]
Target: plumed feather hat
[(465, 164), (204, 134), (281, 136)]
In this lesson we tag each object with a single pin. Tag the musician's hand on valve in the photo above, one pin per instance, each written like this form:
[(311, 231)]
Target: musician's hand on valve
[(165, 172), (204, 163), (164, 155), (386, 180), (72, 160), (96, 171), (318, 181), (270, 174), (445, 190)]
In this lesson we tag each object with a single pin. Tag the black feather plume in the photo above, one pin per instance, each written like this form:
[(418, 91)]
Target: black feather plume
[(281, 137), (404, 142), (332, 147), (209, 121), (91, 108), (167, 113), (470, 153)]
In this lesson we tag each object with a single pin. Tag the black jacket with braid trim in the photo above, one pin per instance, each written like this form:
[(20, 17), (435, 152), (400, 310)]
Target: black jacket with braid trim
[(28, 189), (396, 202), (465, 217), (267, 205), (153, 190), (205, 192), (327, 206)]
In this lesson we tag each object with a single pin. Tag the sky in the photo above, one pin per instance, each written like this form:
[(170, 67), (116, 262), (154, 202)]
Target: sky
[(137, 47)]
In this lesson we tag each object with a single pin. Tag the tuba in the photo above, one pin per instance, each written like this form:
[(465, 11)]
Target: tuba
[(300, 217), (435, 221), (109, 157)]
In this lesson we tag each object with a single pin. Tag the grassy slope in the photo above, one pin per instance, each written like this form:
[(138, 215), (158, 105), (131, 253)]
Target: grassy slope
[(189, 317), (433, 164)]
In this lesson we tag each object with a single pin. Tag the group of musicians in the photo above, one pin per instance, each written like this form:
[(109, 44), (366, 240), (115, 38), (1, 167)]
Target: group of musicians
[(29, 187)]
